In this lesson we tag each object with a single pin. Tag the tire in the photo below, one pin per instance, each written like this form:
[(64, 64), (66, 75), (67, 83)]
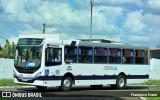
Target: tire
[(41, 88), (96, 86), (66, 84), (120, 82)]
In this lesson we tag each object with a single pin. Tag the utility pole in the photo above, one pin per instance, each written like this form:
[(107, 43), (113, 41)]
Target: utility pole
[(91, 3), (44, 26)]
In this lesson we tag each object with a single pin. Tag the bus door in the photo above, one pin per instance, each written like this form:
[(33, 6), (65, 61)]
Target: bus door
[(53, 56)]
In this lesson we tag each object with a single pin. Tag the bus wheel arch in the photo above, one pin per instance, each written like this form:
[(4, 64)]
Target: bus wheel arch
[(121, 81), (67, 82)]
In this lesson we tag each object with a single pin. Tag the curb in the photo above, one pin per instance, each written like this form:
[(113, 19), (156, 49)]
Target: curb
[(142, 98), (16, 86)]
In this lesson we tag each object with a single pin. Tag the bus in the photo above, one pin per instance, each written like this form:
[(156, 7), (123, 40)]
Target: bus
[(48, 62)]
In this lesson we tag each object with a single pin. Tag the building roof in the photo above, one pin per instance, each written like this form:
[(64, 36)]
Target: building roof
[(154, 48)]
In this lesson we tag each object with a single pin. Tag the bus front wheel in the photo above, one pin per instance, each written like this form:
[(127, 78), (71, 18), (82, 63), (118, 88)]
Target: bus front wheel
[(120, 82), (66, 84)]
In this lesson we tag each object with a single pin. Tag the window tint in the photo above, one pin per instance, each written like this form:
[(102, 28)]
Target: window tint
[(139, 59), (100, 55), (128, 56), (85, 54), (53, 56), (114, 55), (70, 53)]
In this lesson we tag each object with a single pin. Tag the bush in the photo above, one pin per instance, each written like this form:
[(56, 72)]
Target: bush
[(8, 50)]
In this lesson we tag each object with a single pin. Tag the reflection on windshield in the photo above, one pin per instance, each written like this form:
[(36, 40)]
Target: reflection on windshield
[(32, 55)]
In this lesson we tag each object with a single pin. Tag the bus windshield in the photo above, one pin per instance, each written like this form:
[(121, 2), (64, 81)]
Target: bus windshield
[(27, 56)]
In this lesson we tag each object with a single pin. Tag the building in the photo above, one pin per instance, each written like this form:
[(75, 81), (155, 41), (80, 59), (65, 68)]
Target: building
[(155, 53), (154, 63)]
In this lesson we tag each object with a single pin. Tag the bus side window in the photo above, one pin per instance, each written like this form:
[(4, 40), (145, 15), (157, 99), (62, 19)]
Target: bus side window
[(70, 53), (85, 54), (114, 55), (53, 56), (127, 56), (140, 57), (100, 55)]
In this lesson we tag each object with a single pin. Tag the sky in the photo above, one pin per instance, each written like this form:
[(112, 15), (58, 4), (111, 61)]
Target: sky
[(129, 21)]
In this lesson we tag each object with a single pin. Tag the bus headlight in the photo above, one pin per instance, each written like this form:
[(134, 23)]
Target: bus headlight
[(38, 74), (14, 73)]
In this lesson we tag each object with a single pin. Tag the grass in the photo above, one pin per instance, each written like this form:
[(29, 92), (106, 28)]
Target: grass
[(154, 98), (8, 82), (149, 82), (152, 82)]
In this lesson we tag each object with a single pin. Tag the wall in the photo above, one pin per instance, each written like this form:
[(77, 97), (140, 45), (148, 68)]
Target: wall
[(155, 69), (6, 68)]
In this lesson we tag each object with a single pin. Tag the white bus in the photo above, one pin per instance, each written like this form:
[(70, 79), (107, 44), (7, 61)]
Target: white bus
[(46, 62)]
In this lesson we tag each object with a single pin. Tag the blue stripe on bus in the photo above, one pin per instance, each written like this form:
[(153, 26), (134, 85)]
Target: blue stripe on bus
[(93, 77), (137, 76), (49, 78)]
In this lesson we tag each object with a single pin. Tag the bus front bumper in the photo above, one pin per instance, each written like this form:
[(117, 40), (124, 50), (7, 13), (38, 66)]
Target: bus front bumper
[(29, 82)]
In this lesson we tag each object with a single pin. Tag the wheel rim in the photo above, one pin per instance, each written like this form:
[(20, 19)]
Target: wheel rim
[(121, 82), (66, 83)]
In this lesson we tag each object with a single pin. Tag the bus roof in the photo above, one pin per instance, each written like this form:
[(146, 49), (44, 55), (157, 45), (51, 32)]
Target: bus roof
[(54, 39), (94, 44), (111, 45)]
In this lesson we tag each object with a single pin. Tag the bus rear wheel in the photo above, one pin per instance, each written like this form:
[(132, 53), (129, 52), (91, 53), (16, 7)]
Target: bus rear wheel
[(66, 84), (120, 82)]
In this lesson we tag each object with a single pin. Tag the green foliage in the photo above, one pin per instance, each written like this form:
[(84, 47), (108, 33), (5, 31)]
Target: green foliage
[(8, 82), (152, 82), (8, 50), (154, 98)]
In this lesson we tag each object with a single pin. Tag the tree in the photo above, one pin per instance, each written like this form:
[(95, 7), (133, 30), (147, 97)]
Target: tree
[(0, 48), (13, 47), (8, 50)]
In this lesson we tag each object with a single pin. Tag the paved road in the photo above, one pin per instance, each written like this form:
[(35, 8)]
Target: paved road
[(85, 93)]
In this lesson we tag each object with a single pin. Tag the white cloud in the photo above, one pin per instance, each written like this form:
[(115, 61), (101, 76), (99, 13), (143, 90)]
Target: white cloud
[(134, 21), (80, 4), (119, 2), (151, 20), (112, 19), (13, 39), (154, 4)]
